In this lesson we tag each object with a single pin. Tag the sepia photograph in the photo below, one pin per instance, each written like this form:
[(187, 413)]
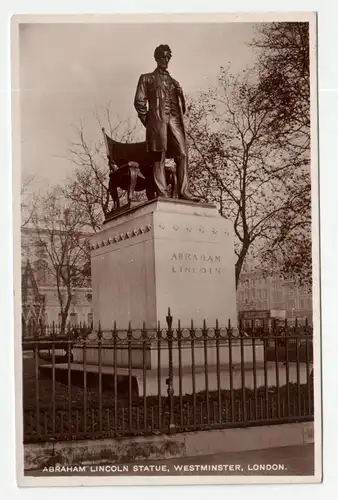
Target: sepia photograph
[(166, 249)]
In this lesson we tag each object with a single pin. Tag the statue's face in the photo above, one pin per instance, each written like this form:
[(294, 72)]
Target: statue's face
[(163, 60)]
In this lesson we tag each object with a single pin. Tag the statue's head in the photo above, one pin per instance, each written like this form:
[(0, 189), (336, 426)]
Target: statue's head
[(162, 56)]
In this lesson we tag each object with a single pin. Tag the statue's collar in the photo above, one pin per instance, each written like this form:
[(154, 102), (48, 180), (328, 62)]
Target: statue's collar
[(162, 71)]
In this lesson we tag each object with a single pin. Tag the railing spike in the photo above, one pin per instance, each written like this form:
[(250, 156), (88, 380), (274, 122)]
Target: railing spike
[(169, 319)]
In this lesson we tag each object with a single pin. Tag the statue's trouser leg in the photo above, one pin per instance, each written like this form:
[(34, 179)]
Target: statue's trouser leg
[(159, 173), (181, 158)]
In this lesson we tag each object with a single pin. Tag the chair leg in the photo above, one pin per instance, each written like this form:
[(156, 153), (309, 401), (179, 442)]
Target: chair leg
[(132, 183), (150, 188), (114, 194)]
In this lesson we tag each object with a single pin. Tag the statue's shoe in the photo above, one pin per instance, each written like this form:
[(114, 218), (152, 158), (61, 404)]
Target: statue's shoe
[(189, 197)]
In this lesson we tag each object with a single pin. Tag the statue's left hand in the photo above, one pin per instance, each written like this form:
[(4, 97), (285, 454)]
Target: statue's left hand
[(181, 97), (183, 104)]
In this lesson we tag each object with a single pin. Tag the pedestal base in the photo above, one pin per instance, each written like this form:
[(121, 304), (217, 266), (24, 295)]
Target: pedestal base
[(160, 254)]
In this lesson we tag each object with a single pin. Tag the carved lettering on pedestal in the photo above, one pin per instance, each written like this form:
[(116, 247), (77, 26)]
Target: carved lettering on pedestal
[(191, 261)]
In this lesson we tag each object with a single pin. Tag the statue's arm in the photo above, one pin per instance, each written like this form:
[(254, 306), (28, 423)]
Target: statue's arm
[(140, 101), (180, 95)]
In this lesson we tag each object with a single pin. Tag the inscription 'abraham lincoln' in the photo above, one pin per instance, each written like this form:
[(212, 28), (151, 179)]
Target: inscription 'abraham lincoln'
[(193, 259)]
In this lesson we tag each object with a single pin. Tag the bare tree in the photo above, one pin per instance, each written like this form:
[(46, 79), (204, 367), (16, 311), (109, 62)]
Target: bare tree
[(59, 225), (27, 200), (235, 164)]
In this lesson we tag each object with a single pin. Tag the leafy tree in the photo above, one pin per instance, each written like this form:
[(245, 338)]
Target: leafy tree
[(284, 91)]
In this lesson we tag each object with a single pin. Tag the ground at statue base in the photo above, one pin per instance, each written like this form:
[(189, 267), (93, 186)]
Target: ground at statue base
[(283, 461)]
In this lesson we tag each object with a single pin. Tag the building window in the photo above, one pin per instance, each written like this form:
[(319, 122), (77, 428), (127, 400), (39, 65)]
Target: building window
[(301, 303), (277, 296), (41, 268), (40, 250), (73, 319), (290, 304), (90, 318)]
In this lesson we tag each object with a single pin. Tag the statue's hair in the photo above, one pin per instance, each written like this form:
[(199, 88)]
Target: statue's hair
[(160, 49)]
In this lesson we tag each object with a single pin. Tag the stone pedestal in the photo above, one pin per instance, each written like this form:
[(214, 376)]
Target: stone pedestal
[(164, 253)]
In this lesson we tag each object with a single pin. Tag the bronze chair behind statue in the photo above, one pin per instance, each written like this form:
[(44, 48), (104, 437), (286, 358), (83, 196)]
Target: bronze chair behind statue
[(131, 170)]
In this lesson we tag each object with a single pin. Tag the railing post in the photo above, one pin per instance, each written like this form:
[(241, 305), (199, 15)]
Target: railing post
[(144, 363), (169, 380), (99, 355), (115, 339), (130, 380), (40, 328)]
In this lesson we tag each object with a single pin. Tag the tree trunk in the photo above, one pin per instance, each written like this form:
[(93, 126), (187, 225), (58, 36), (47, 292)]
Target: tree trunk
[(64, 314), (240, 262)]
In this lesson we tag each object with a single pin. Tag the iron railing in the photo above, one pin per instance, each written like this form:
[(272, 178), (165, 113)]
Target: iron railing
[(86, 385)]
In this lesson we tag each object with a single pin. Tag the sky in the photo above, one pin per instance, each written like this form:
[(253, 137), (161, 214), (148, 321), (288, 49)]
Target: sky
[(68, 72)]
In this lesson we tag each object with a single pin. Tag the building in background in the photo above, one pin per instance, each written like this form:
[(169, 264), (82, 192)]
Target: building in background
[(40, 302), (272, 296)]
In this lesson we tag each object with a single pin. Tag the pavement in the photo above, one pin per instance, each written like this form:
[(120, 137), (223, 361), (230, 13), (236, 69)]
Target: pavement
[(285, 461)]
